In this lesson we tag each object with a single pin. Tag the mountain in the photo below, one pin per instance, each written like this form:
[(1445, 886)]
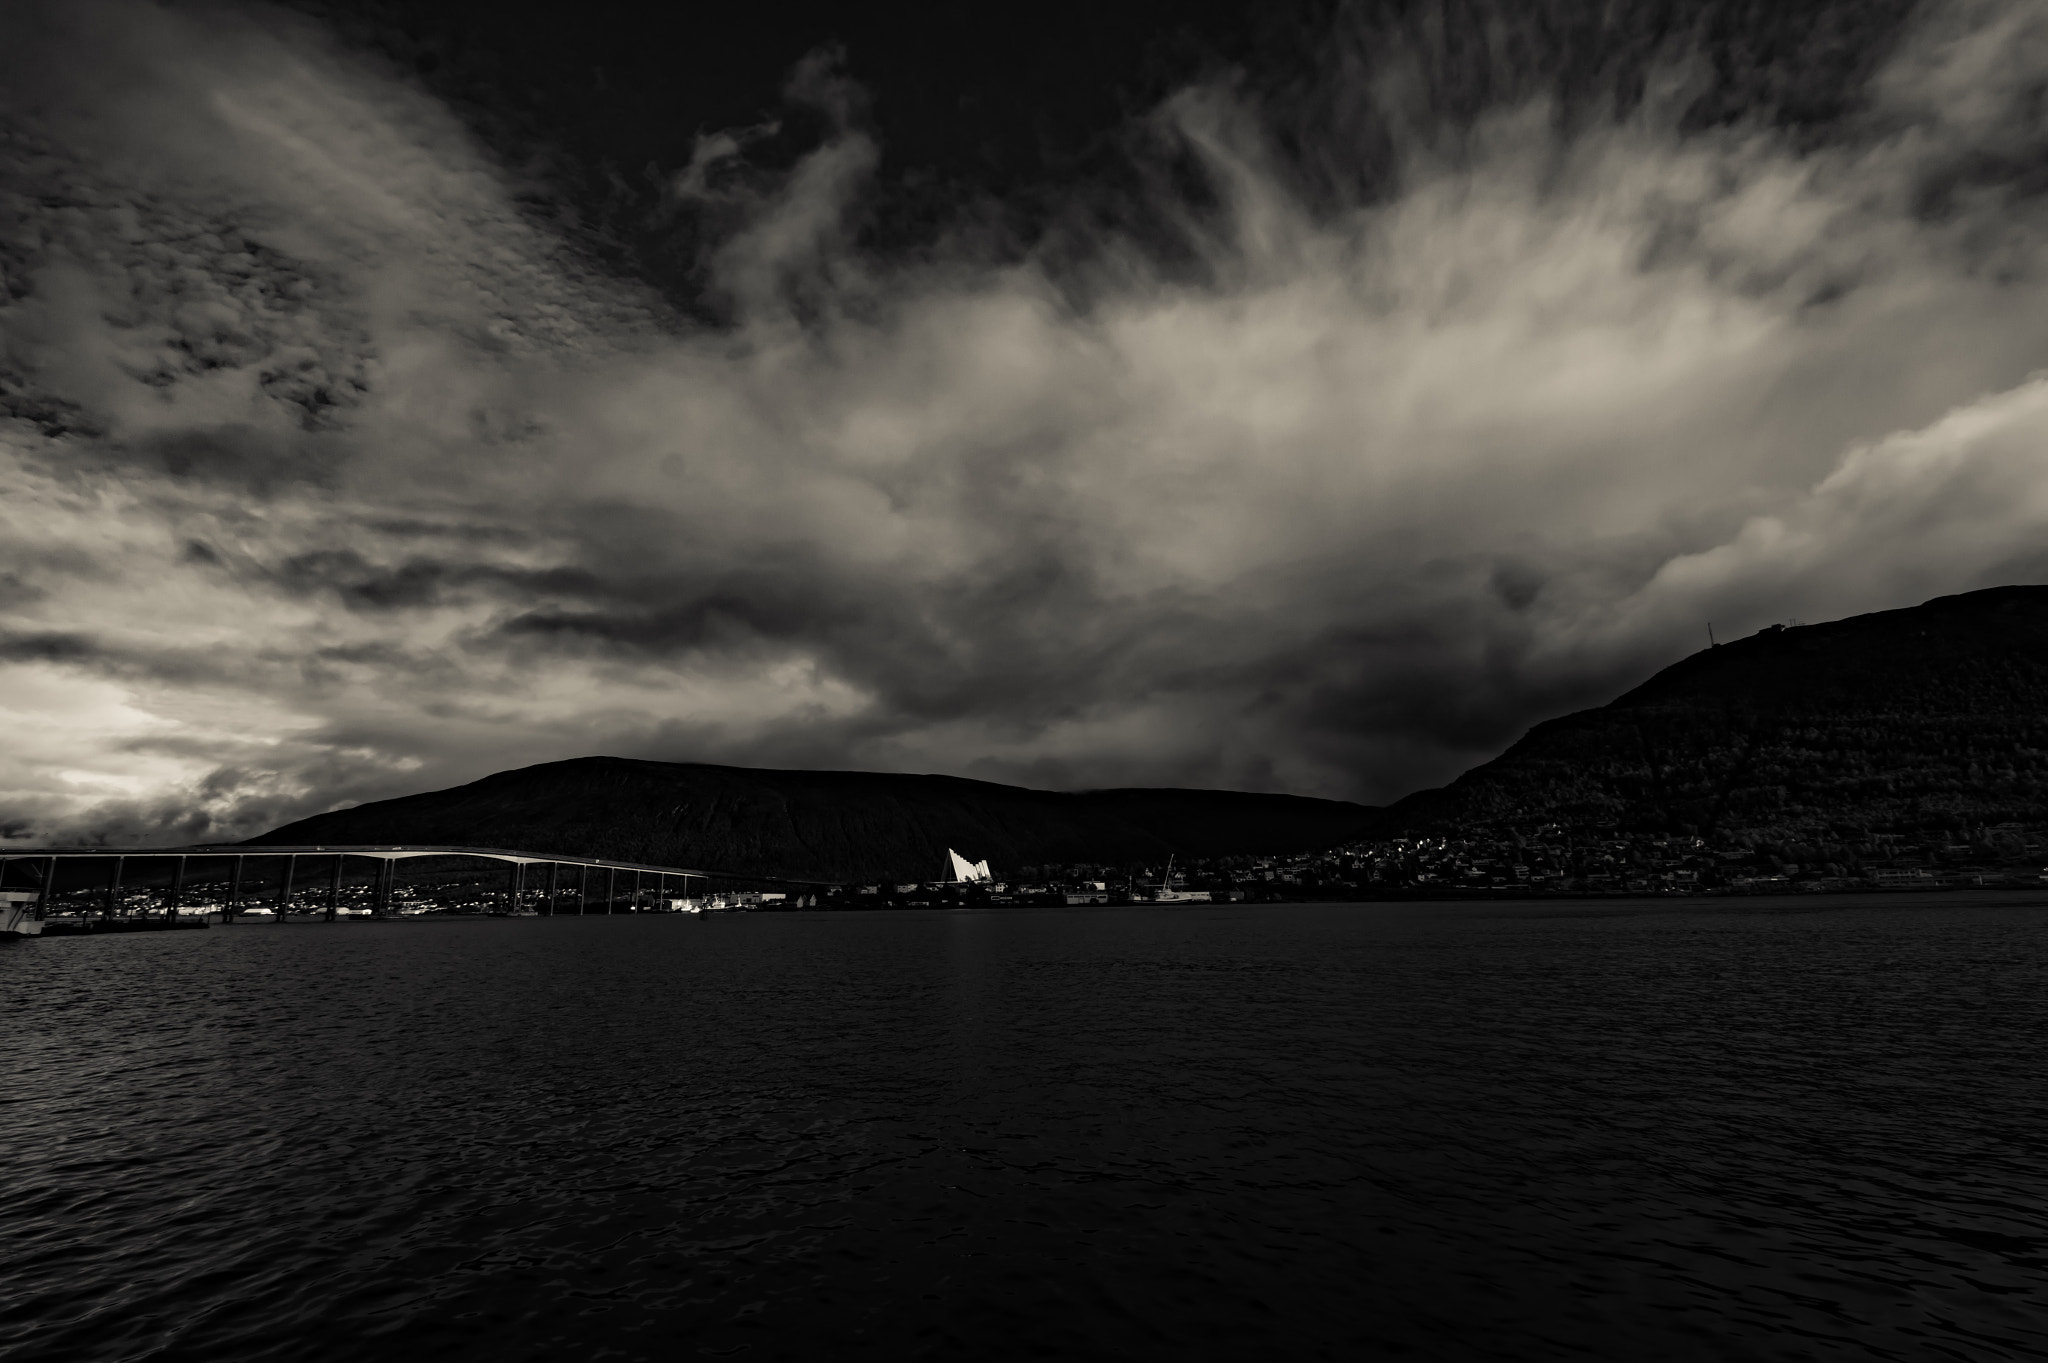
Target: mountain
[(825, 825), (1929, 718)]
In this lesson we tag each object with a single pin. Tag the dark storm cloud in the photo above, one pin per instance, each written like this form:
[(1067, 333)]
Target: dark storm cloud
[(706, 621), (417, 582), (1351, 427), (46, 648)]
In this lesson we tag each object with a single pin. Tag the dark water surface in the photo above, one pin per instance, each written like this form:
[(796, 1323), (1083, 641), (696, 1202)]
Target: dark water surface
[(1791, 1130)]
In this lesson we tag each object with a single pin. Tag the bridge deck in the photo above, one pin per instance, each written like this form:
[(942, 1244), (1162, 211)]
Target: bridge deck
[(233, 858), (390, 852)]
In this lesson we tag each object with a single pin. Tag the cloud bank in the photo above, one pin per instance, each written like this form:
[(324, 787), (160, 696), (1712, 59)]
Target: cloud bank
[(334, 470)]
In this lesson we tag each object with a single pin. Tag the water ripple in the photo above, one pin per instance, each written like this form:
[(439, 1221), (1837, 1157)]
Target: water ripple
[(1809, 1131)]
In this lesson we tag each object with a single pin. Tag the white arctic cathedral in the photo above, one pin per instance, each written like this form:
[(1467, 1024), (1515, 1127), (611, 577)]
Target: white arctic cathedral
[(969, 872)]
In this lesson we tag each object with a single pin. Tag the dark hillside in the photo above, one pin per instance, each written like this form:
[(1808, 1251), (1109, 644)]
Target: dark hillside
[(826, 825), (1933, 717)]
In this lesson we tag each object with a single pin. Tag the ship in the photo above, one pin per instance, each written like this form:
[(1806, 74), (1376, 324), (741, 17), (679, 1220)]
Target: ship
[(230, 916), (1166, 894), (21, 914)]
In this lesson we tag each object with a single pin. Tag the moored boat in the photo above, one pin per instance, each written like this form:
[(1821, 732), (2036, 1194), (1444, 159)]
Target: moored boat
[(245, 914), (1166, 894)]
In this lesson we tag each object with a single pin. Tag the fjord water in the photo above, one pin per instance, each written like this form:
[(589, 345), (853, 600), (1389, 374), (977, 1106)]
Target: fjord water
[(1786, 1130)]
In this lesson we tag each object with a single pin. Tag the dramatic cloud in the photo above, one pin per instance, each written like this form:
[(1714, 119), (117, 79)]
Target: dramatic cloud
[(332, 472)]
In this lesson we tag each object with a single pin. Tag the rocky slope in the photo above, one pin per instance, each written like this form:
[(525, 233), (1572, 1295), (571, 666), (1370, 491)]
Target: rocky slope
[(1933, 717)]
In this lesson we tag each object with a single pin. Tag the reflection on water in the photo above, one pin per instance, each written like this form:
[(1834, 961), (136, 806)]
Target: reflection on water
[(1796, 1130)]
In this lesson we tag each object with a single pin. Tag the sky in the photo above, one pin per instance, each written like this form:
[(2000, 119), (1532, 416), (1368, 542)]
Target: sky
[(1296, 398)]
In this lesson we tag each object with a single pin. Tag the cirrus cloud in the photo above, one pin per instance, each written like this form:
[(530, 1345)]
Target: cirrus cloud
[(334, 470)]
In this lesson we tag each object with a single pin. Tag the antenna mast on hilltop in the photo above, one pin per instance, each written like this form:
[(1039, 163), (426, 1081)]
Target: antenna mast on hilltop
[(1710, 635)]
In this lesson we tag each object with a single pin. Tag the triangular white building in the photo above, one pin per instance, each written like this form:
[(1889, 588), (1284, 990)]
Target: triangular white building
[(970, 872)]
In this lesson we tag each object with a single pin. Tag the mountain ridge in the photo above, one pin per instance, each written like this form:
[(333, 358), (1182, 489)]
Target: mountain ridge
[(1929, 716), (1925, 721), (827, 825)]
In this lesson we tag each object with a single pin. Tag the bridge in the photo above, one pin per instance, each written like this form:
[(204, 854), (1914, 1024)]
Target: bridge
[(234, 861)]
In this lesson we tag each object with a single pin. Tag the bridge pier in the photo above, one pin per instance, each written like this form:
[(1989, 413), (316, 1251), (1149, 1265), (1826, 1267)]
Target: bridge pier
[(234, 904), (114, 885), (582, 890), (177, 894), (334, 888), (554, 884), (284, 889)]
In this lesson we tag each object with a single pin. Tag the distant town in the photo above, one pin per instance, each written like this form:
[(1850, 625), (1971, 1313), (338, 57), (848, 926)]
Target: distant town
[(1553, 861), (1548, 861)]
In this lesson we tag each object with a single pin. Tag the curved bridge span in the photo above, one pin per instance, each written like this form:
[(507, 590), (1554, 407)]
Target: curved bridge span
[(592, 884)]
